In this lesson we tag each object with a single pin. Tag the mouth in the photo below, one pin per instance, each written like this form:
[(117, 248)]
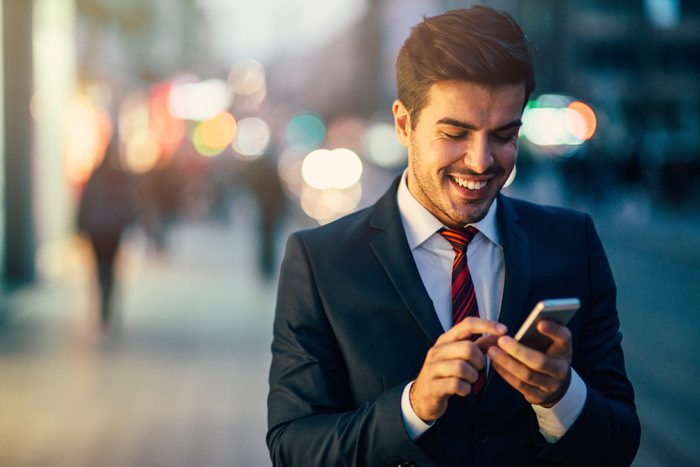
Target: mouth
[(469, 187)]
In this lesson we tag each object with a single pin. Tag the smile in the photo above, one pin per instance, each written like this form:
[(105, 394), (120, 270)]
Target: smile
[(470, 184)]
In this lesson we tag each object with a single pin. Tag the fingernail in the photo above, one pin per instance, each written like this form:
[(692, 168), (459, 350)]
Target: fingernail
[(501, 328)]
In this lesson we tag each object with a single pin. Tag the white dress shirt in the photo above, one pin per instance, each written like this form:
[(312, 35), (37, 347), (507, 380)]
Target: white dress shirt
[(433, 256)]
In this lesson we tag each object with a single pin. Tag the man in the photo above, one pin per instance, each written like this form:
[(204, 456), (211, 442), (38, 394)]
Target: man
[(391, 342)]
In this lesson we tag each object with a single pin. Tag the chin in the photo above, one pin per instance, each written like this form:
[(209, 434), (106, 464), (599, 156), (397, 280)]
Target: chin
[(474, 215)]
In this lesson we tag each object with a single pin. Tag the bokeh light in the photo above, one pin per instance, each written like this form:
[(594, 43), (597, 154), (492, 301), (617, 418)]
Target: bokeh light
[(213, 135), (247, 77), (547, 127), (249, 84), (327, 205), (585, 120), (323, 169), (87, 131), (141, 143), (219, 131), (199, 144), (141, 152), (305, 131), (168, 129), (382, 147), (558, 123), (199, 100), (252, 138)]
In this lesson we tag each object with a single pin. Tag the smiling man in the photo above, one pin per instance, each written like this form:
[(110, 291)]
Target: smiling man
[(392, 331)]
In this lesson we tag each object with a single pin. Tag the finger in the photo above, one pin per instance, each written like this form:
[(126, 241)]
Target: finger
[(560, 335), (532, 394), (522, 372), (452, 386), (463, 350), (486, 342), (440, 388), (552, 365), (457, 368), (470, 326)]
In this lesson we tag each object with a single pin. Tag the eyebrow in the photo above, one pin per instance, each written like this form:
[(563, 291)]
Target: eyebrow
[(467, 126)]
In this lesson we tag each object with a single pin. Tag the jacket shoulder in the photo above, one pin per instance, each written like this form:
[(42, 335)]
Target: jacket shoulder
[(338, 234), (533, 212)]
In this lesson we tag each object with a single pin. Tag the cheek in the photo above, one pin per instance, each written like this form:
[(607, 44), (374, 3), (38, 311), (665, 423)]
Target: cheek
[(433, 156), (448, 153), (505, 156)]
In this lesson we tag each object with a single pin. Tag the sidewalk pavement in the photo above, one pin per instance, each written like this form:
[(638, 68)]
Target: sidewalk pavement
[(181, 380)]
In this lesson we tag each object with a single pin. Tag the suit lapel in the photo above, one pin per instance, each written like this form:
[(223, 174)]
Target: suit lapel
[(391, 249), (516, 253)]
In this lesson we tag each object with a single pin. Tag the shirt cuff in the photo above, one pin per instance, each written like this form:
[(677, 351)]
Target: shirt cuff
[(415, 427), (555, 421)]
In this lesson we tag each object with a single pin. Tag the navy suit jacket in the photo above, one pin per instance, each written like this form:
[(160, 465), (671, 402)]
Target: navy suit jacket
[(354, 322)]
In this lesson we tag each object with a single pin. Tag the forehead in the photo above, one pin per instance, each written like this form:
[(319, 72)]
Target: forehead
[(479, 105)]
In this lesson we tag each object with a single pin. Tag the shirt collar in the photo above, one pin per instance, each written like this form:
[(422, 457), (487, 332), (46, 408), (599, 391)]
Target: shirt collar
[(420, 224)]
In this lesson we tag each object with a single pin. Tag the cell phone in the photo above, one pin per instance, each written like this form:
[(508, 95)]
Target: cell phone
[(560, 310)]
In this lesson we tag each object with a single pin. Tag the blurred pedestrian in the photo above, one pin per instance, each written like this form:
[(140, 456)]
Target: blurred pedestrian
[(163, 194), (107, 206), (265, 184)]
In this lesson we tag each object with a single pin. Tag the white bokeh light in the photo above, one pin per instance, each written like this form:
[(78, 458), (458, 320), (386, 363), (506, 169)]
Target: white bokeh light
[(247, 77), (201, 100), (548, 127), (252, 138), (330, 204), (323, 169)]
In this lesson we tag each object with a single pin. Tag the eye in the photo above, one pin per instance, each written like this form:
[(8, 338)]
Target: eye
[(504, 138), (455, 136)]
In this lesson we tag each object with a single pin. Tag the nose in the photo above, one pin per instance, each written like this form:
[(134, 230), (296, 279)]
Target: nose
[(477, 155)]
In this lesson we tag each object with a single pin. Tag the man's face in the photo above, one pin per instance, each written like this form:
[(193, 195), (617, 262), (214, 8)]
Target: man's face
[(463, 147)]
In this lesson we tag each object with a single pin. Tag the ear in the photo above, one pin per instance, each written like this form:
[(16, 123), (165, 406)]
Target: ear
[(402, 122)]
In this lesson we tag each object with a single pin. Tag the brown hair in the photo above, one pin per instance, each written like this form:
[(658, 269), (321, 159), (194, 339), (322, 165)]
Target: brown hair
[(477, 44)]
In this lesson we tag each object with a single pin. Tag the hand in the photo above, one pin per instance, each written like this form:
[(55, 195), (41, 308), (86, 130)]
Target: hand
[(541, 377), (452, 365)]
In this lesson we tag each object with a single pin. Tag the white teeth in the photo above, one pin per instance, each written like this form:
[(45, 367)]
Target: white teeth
[(470, 185)]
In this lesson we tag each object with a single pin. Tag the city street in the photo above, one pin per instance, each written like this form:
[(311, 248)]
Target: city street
[(181, 379)]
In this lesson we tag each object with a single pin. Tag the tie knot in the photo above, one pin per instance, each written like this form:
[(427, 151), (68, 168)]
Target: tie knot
[(459, 238)]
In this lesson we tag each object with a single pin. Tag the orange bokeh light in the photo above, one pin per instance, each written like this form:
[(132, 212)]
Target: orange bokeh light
[(169, 130), (87, 131), (587, 130)]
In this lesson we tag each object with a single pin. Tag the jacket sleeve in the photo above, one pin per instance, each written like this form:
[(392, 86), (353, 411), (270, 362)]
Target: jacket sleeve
[(607, 431), (312, 419)]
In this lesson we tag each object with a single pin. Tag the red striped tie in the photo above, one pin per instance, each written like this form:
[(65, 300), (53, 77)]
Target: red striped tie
[(463, 294)]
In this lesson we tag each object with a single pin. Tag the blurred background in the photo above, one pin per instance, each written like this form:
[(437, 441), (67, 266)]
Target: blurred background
[(155, 154)]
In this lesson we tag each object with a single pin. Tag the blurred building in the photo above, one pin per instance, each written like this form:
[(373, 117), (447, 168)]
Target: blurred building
[(55, 51), (635, 60)]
